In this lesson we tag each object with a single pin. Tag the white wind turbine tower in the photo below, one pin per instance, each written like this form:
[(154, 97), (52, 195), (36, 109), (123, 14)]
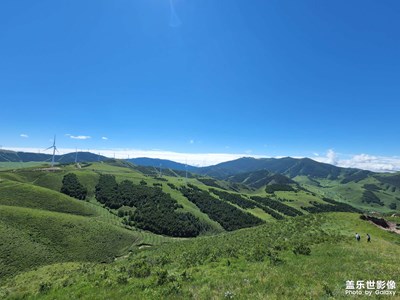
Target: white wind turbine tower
[(76, 155), (76, 159), (186, 172), (54, 151)]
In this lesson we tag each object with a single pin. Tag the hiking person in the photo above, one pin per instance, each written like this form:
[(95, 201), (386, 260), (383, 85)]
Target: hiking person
[(358, 237), (368, 238)]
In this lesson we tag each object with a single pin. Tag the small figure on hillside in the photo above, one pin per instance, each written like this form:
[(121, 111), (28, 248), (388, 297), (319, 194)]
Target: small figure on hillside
[(368, 238), (358, 237)]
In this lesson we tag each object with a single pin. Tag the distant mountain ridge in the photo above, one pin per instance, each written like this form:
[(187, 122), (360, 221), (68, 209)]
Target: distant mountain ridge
[(13, 156), (164, 163), (288, 166)]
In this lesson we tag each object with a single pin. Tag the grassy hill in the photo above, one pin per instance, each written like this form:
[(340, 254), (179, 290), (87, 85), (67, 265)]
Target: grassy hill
[(368, 194), (27, 195), (33, 237), (54, 246), (41, 226), (290, 259)]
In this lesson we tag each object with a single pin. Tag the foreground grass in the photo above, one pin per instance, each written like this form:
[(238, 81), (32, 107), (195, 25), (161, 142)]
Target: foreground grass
[(27, 195), (32, 238), (255, 263)]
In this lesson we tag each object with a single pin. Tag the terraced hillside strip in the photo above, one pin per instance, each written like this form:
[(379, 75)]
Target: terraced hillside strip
[(278, 206), (230, 217), (210, 182), (333, 206), (234, 198)]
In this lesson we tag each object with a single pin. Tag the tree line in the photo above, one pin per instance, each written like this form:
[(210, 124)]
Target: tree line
[(234, 198), (278, 206), (230, 217), (155, 210), (334, 206)]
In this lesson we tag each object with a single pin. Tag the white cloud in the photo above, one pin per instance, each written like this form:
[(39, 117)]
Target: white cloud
[(331, 156), (372, 163), (362, 161), (23, 135), (80, 137), (104, 138)]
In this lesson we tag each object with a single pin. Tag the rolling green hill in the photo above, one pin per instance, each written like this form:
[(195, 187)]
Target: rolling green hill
[(27, 195), (33, 237), (292, 259), (40, 226), (55, 246)]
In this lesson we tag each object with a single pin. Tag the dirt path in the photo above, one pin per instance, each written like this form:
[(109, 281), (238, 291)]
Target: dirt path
[(392, 227)]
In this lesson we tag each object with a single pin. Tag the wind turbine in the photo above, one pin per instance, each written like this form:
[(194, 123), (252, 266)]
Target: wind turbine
[(54, 151), (186, 171), (76, 155)]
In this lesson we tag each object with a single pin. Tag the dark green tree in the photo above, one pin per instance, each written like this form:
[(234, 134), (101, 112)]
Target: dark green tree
[(72, 187)]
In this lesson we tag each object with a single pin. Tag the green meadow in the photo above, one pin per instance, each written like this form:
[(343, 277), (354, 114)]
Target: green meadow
[(56, 247)]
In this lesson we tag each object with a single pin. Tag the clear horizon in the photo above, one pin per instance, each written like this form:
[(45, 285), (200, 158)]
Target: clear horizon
[(270, 79), (361, 161)]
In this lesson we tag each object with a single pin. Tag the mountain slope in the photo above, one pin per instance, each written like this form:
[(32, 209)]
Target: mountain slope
[(288, 166), (260, 178), (164, 163), (13, 156)]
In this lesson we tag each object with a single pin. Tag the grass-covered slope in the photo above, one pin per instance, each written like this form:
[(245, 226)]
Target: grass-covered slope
[(41, 226), (372, 193), (295, 258), (32, 237), (88, 175), (27, 195)]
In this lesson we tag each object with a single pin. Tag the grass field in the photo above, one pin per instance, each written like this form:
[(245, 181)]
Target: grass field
[(255, 263), (32, 237), (56, 247), (41, 226), (27, 195)]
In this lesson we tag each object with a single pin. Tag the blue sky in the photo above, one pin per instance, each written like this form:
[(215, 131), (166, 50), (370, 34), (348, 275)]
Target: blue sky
[(266, 78)]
